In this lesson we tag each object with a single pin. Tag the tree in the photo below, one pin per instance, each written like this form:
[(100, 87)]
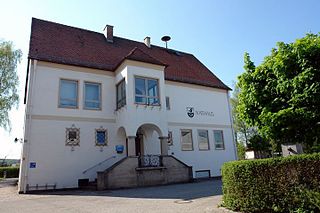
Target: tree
[(281, 97), (8, 81), (243, 132), (241, 150)]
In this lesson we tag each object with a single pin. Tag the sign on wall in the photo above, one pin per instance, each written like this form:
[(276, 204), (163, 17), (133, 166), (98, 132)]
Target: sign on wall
[(32, 165), (191, 112)]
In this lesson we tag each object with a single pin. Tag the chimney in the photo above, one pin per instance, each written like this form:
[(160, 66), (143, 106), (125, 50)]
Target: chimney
[(147, 41), (108, 33)]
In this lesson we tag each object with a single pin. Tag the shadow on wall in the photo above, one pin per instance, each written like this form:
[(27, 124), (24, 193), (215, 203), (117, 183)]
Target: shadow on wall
[(187, 191)]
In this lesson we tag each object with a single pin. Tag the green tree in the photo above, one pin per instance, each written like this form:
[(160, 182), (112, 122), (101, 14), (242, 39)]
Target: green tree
[(243, 132), (281, 97), (9, 57)]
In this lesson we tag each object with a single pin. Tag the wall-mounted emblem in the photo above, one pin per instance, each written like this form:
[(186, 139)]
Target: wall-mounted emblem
[(190, 112)]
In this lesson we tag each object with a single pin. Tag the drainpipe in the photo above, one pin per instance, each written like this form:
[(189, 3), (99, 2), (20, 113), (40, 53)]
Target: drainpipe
[(27, 127), (232, 128)]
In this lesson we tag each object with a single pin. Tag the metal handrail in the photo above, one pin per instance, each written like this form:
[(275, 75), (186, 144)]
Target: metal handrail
[(98, 164), (150, 161)]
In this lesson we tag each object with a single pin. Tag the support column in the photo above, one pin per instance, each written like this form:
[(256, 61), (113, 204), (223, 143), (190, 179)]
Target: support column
[(131, 145), (164, 145)]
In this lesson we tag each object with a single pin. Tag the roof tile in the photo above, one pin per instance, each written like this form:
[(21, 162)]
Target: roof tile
[(63, 44)]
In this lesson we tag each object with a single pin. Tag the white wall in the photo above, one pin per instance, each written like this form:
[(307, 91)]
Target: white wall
[(202, 99), (57, 164), (46, 92)]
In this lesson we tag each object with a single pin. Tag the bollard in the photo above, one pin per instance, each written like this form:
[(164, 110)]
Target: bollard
[(5, 174)]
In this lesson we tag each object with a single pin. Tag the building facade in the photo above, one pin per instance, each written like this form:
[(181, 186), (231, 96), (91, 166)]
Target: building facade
[(93, 99)]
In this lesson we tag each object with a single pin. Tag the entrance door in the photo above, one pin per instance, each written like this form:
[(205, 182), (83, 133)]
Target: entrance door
[(139, 146)]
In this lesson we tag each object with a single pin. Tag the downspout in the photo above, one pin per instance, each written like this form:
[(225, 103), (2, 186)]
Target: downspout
[(232, 128), (27, 127), (27, 81)]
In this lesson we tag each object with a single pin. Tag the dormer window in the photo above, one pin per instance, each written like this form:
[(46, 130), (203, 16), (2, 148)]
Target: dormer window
[(147, 91)]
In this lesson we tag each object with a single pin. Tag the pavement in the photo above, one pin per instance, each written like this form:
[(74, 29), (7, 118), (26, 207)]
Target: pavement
[(203, 196)]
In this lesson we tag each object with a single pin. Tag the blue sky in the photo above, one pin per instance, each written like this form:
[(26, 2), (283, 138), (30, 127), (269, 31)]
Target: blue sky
[(216, 32)]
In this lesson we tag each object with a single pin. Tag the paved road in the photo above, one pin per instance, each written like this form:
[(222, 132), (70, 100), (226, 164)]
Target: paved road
[(192, 197)]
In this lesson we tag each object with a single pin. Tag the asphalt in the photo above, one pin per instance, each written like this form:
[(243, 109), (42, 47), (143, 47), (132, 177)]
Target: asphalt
[(204, 196)]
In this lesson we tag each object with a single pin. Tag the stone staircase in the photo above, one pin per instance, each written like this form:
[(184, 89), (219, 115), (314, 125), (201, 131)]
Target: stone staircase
[(142, 171)]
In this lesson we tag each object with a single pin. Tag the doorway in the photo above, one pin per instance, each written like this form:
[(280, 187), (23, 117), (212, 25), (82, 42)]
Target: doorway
[(139, 144)]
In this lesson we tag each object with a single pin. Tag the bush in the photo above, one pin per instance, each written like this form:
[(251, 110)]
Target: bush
[(12, 172), (290, 184)]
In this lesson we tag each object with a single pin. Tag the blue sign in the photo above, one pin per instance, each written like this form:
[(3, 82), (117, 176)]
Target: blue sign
[(33, 165), (119, 148)]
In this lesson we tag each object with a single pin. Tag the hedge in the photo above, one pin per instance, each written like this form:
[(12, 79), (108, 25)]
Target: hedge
[(290, 184), (12, 172)]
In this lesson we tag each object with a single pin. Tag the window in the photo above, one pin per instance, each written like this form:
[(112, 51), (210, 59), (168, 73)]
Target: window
[(101, 137), (121, 94), (73, 136), (170, 140), (92, 95), (186, 140), (146, 91), (203, 140), (203, 174), (68, 94), (168, 103), (218, 139)]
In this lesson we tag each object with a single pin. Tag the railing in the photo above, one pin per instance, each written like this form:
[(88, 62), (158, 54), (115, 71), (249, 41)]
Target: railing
[(150, 161), (98, 164)]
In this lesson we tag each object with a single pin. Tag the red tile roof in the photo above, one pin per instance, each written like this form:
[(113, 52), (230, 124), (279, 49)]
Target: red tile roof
[(138, 55), (63, 44)]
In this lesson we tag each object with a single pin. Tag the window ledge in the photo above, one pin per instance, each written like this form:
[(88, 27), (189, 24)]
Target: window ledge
[(147, 105), (92, 109)]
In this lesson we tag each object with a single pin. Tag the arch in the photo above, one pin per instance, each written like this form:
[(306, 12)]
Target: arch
[(121, 132), (150, 126)]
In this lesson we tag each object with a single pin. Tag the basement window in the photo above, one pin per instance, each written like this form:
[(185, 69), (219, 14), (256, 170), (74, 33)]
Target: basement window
[(203, 174)]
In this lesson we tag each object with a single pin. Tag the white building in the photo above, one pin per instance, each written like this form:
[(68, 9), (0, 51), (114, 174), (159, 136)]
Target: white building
[(89, 95)]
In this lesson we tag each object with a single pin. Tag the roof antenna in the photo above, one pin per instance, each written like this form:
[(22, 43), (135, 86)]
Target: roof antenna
[(166, 39)]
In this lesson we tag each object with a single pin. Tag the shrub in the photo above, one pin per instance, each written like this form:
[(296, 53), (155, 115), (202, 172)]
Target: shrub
[(12, 172), (290, 184)]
